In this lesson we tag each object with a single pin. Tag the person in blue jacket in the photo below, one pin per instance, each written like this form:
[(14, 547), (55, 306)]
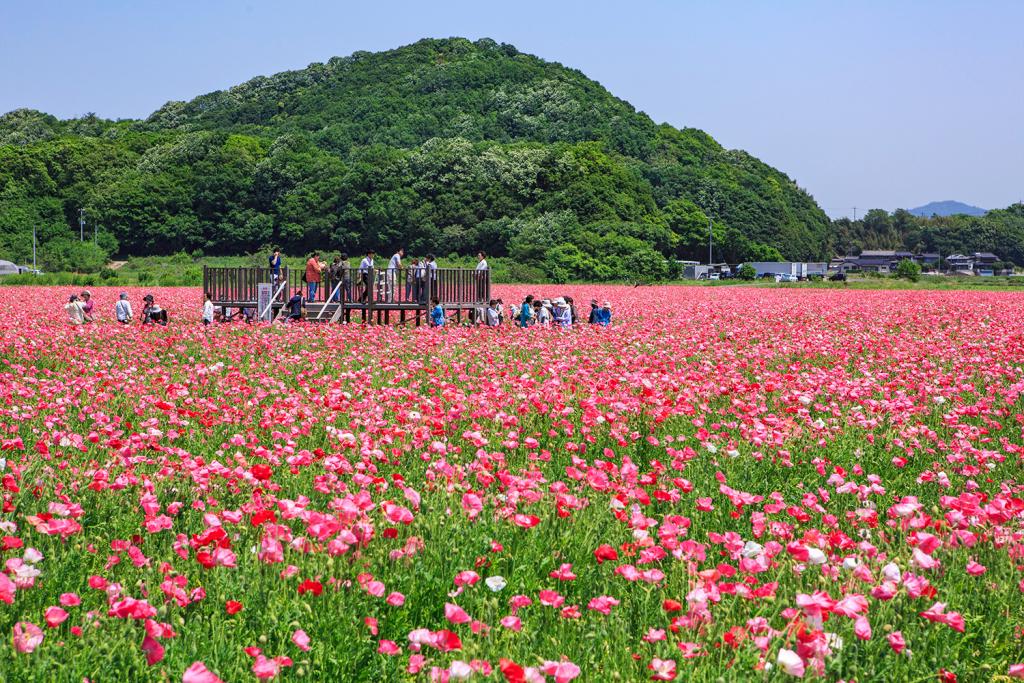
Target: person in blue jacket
[(436, 313), (604, 314), (526, 312)]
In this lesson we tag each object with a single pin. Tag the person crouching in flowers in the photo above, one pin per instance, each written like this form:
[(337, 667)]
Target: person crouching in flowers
[(123, 309), (562, 315), (76, 314), (436, 313), (295, 306)]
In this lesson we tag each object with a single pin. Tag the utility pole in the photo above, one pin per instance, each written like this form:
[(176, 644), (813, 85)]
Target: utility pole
[(855, 214), (81, 225), (35, 270), (709, 241)]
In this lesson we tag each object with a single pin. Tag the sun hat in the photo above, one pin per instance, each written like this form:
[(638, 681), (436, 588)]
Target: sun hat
[(559, 301), (86, 292), (607, 304), (124, 295)]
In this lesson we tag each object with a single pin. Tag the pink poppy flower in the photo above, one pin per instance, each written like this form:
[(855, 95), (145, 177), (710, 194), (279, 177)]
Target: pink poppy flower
[(198, 673), (27, 637), (301, 640)]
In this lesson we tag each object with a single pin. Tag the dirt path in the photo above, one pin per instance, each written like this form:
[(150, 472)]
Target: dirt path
[(114, 265)]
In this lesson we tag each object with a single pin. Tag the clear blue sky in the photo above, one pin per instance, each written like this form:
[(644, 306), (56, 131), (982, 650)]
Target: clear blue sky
[(866, 104)]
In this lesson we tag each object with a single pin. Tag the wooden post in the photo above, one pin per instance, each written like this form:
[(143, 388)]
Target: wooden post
[(371, 293)]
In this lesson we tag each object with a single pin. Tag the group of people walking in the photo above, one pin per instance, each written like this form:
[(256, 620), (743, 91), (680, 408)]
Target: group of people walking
[(79, 310)]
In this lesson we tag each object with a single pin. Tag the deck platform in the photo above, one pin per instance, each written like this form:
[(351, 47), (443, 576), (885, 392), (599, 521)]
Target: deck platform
[(378, 296)]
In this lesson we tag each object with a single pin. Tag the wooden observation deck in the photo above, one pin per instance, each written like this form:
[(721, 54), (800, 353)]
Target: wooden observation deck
[(380, 296)]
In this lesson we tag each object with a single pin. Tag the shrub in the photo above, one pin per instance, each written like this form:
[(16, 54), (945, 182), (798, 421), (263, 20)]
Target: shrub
[(908, 270), (746, 272), (522, 273)]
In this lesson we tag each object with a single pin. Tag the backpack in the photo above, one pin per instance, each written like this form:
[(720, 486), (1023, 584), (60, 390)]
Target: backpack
[(303, 277)]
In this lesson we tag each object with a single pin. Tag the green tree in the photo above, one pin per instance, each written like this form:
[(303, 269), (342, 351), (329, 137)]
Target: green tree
[(908, 270), (746, 272)]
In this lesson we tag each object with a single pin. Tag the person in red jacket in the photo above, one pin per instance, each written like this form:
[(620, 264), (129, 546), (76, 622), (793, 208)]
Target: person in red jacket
[(314, 267)]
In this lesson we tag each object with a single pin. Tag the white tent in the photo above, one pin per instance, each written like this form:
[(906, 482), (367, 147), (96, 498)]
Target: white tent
[(8, 268)]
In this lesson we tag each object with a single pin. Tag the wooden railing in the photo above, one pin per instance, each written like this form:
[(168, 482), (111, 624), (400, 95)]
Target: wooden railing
[(374, 288)]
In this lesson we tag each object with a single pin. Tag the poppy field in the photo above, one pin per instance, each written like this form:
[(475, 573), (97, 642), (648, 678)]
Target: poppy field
[(724, 484)]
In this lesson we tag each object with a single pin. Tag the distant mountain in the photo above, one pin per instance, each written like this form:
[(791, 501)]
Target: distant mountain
[(443, 145), (947, 208)]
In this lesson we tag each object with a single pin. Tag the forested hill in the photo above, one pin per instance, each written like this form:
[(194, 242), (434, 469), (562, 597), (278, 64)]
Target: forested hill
[(443, 145)]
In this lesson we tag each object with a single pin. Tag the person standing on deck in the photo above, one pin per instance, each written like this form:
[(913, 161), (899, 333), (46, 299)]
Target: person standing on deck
[(274, 261), (412, 292), (394, 266), (334, 272), (314, 267), (345, 270), (482, 274), (431, 276), (365, 266)]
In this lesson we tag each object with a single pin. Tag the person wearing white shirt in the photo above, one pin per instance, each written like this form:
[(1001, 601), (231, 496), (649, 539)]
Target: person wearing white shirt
[(207, 311), (394, 266), (364, 274), (482, 276), (76, 314), (123, 309), (493, 319)]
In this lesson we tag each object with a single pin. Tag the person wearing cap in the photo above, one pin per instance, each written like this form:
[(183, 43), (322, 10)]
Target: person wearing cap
[(152, 314), (75, 311), (604, 314), (572, 309), (544, 312), (87, 303), (594, 309), (561, 313), (123, 309)]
